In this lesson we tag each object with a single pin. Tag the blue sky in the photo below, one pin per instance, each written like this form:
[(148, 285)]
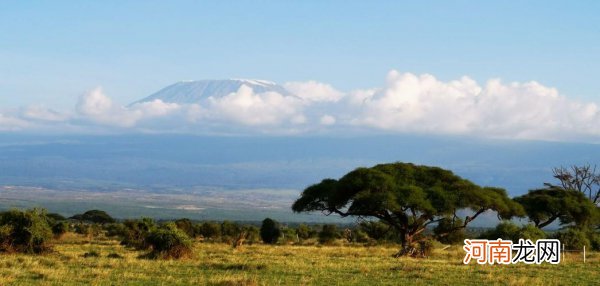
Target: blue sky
[(53, 51)]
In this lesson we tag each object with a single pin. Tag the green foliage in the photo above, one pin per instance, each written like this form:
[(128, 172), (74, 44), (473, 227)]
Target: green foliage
[(59, 228), (169, 242), (55, 217), (379, 231), (94, 216), (252, 234), (407, 197), (573, 239), (88, 229), (229, 231), (135, 233), (445, 233), (187, 226), (531, 232), (209, 230), (25, 231), (270, 231), (328, 234), (544, 206), (504, 230), (305, 232)]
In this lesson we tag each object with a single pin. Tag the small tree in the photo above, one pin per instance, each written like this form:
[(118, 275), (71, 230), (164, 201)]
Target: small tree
[(25, 231), (169, 242), (270, 231)]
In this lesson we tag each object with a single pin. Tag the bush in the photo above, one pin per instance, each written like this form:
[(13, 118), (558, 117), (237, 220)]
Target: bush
[(209, 230), (60, 228), (229, 231), (328, 234), (573, 239), (187, 226), (504, 230), (595, 240), (94, 216), (270, 231), (25, 231), (530, 232), (135, 233), (305, 232), (90, 230), (169, 242)]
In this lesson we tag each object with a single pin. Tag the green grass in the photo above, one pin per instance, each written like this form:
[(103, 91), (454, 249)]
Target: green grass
[(220, 264)]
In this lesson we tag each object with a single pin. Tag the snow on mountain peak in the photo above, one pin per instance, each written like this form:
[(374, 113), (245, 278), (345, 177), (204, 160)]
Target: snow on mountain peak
[(194, 91)]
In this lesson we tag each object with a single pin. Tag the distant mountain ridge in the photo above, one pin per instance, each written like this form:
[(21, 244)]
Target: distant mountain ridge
[(195, 91)]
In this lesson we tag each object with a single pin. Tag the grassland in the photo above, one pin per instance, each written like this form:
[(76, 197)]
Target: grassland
[(220, 264)]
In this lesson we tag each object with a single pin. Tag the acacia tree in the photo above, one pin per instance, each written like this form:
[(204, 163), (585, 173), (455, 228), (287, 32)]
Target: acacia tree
[(545, 206), (407, 197)]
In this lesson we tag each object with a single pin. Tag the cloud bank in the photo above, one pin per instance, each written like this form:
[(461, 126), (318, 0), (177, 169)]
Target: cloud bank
[(407, 103)]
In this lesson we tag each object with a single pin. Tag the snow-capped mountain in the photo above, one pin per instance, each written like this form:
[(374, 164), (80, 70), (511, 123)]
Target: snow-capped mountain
[(186, 92)]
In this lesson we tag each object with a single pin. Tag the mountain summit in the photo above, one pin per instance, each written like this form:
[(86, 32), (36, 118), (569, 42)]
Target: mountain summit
[(186, 92)]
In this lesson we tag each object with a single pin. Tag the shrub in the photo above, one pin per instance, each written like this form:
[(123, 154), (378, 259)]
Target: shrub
[(573, 239), (209, 230), (90, 230), (187, 226), (504, 230), (95, 216), (59, 228), (328, 234), (270, 231), (25, 231), (595, 240), (229, 231), (530, 232), (136, 232), (169, 242), (305, 232)]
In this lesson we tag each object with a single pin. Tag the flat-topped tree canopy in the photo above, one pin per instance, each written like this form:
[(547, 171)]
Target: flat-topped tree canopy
[(406, 196)]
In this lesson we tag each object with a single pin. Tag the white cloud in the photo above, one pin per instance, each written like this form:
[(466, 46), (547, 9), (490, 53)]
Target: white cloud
[(314, 91), (408, 103), (99, 108), (411, 103), (40, 113), (11, 123), (248, 108), (327, 120)]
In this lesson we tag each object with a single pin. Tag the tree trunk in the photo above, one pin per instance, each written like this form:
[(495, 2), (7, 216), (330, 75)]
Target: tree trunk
[(408, 247)]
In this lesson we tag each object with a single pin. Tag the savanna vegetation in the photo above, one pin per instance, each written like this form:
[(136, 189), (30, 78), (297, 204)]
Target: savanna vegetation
[(414, 208)]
